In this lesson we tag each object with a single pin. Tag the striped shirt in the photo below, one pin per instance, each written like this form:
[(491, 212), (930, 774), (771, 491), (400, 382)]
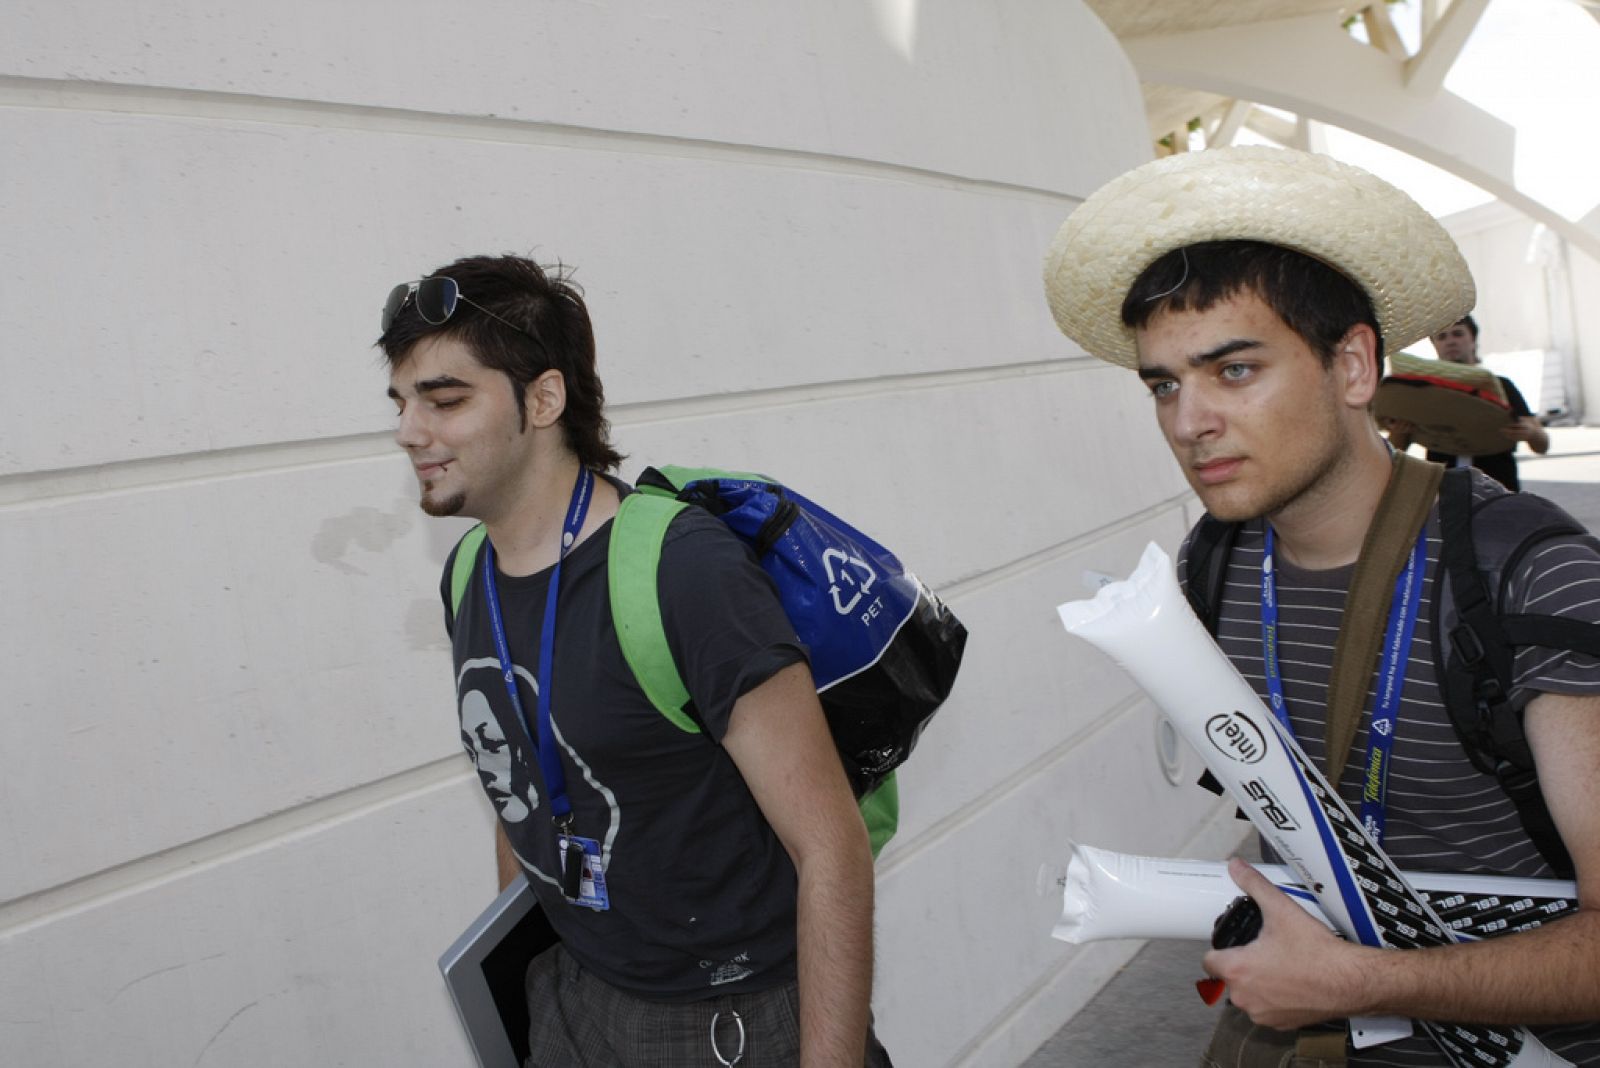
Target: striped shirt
[(1443, 814)]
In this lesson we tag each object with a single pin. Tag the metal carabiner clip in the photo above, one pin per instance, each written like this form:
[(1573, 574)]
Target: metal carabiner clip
[(716, 1051)]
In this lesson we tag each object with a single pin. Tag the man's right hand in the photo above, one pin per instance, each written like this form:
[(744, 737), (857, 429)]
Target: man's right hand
[(1400, 432)]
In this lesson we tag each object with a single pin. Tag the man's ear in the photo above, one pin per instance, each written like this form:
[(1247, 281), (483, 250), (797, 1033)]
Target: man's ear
[(1355, 361), (547, 399)]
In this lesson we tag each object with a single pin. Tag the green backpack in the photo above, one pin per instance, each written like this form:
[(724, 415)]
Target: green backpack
[(899, 660)]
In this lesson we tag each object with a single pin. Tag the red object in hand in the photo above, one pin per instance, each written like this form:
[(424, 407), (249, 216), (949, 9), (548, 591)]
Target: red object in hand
[(1210, 989)]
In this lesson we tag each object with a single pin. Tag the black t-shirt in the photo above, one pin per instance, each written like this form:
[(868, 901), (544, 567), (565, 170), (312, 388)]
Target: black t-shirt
[(702, 893), (1500, 466)]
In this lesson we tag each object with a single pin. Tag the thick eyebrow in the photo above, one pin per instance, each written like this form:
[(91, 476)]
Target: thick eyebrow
[(428, 385), (1227, 348)]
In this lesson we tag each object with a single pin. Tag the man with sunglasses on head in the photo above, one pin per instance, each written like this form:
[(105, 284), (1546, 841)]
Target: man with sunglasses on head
[(712, 891)]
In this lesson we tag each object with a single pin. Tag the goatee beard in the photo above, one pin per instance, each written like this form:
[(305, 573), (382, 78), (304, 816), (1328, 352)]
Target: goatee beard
[(441, 509)]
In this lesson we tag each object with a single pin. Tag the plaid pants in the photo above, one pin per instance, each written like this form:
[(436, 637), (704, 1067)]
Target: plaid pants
[(581, 1022)]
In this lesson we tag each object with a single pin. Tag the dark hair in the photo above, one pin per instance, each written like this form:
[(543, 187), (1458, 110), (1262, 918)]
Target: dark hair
[(1470, 323), (546, 304), (1314, 300)]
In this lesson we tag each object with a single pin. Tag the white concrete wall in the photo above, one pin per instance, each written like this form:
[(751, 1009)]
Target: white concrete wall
[(1513, 311), (1586, 323), (236, 826)]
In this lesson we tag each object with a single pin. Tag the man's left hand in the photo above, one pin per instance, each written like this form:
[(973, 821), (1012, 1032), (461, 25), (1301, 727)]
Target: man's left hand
[(1530, 430), (1296, 972)]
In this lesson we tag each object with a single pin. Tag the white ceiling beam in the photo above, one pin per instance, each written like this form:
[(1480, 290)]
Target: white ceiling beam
[(1311, 67), (1233, 119), (1381, 33), (1274, 128), (1430, 15), (1310, 135), (1442, 45)]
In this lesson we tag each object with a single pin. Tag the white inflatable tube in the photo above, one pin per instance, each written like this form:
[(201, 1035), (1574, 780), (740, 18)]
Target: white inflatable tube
[(1145, 625), (1109, 895)]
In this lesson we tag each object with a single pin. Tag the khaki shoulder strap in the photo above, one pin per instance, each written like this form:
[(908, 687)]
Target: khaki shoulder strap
[(1413, 485)]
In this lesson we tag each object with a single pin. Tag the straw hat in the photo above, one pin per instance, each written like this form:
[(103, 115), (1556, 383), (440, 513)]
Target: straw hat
[(1356, 223), (1456, 408), (1471, 377)]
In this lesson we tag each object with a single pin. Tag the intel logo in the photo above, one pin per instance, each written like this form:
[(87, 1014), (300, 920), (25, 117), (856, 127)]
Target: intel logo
[(1236, 737)]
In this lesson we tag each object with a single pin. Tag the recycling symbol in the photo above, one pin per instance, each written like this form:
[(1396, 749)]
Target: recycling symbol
[(847, 575)]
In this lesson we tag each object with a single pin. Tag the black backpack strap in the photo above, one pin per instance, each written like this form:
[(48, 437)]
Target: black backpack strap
[(1205, 571), (1552, 632), (1478, 655), (1206, 568)]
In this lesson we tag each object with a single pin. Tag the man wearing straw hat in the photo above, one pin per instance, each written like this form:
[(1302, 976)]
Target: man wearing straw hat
[(1458, 343), (1254, 292)]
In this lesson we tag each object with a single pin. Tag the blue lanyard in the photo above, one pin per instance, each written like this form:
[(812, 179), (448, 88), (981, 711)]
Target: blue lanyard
[(555, 779), (1403, 611)]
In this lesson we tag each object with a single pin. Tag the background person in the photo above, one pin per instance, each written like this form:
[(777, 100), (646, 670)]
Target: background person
[(1458, 343)]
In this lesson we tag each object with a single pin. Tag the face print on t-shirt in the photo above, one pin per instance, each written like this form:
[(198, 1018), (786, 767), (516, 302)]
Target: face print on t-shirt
[(498, 745), (486, 743)]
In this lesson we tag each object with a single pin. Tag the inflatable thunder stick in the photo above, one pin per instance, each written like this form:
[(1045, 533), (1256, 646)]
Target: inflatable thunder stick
[(1118, 895), (1146, 626)]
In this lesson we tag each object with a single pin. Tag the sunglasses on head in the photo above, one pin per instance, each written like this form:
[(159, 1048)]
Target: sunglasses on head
[(436, 301)]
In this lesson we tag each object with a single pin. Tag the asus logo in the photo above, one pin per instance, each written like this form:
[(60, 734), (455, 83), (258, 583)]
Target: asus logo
[(1269, 806)]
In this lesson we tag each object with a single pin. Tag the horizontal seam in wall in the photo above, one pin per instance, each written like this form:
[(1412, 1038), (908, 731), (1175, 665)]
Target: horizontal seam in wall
[(204, 104), (651, 413), (56, 903), (1012, 784), (99, 480), (975, 583), (1034, 991), (92, 891), (1222, 809)]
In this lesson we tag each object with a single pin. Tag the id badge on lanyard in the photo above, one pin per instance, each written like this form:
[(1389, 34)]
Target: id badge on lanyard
[(582, 863), (1403, 611), (583, 872)]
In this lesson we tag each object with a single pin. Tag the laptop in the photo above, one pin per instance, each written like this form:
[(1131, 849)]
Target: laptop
[(484, 970)]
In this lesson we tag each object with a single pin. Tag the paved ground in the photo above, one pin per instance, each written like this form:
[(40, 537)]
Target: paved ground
[(1569, 474), (1149, 1014)]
